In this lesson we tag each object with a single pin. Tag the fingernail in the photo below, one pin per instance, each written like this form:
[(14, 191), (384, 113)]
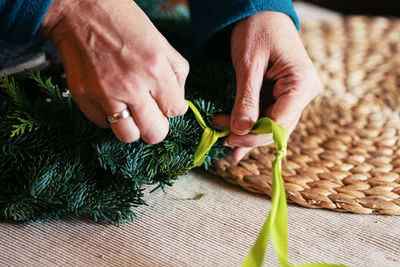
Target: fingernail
[(241, 124)]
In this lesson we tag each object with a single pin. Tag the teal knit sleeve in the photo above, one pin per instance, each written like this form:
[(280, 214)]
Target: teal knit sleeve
[(20, 19), (210, 16)]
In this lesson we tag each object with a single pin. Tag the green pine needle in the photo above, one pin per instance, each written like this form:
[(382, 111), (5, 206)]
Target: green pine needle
[(51, 166)]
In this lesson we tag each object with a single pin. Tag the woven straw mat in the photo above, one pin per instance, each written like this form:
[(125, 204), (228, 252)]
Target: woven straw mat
[(344, 154)]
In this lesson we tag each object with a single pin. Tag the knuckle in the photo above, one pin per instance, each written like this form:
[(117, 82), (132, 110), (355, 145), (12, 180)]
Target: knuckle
[(184, 107), (172, 110), (310, 80), (247, 63), (305, 82), (179, 62), (153, 62), (78, 92), (246, 100), (181, 111), (183, 68), (170, 113)]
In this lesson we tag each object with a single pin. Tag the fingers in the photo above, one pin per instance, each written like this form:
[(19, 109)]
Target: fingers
[(242, 143), (250, 55), (255, 43), (180, 67), (130, 129), (221, 122), (239, 153), (170, 92), (119, 60), (126, 129), (152, 124), (92, 110), (292, 94), (152, 103), (249, 140), (148, 115), (245, 111)]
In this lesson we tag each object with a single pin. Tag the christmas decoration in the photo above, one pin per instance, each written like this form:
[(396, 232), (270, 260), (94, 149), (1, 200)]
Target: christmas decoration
[(54, 161)]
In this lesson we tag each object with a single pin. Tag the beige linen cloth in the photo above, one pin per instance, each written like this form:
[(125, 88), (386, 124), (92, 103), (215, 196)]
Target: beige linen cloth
[(217, 229)]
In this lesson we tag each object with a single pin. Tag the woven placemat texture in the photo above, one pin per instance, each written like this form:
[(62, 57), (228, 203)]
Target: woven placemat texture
[(344, 154)]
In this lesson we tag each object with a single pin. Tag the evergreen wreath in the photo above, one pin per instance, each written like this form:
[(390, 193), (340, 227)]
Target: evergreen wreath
[(54, 161)]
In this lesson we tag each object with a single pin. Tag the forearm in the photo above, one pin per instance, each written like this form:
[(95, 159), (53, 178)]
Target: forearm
[(20, 19)]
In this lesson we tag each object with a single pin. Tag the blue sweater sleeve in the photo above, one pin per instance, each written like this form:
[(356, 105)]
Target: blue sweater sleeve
[(210, 16), (20, 19)]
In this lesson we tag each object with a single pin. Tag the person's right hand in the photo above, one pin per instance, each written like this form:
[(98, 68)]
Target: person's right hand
[(115, 59)]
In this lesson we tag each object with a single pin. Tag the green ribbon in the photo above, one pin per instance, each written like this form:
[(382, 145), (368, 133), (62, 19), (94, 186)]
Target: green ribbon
[(208, 138), (275, 226)]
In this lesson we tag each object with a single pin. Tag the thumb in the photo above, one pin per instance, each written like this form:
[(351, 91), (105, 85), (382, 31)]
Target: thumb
[(245, 110)]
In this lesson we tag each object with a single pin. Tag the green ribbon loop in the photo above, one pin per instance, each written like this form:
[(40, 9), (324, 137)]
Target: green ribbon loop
[(275, 226), (208, 138)]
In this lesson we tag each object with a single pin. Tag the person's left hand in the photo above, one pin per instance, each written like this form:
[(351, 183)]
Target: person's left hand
[(266, 50)]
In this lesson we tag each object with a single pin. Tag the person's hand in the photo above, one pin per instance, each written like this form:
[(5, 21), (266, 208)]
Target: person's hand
[(267, 52), (116, 59)]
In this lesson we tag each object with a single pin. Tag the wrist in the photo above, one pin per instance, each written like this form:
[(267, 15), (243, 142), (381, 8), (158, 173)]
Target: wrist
[(55, 15), (77, 18)]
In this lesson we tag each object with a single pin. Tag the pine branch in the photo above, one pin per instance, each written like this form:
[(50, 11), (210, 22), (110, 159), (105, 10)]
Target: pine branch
[(49, 173), (51, 166)]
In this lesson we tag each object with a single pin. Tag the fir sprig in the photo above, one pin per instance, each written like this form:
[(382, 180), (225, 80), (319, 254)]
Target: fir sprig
[(54, 161)]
